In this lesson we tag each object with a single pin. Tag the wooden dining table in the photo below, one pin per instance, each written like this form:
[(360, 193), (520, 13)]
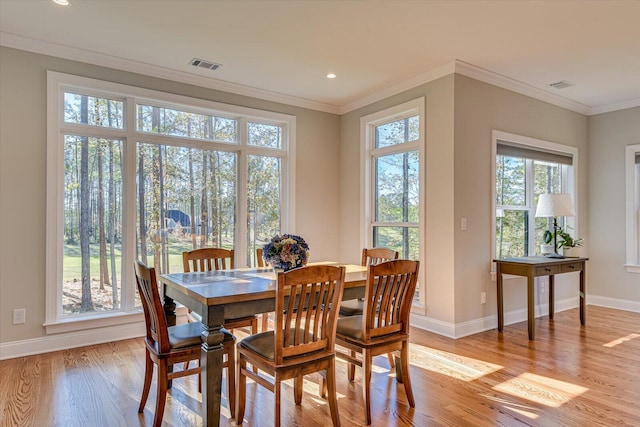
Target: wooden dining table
[(230, 294)]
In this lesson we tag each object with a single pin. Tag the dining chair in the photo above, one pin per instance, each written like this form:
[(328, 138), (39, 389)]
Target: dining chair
[(370, 256), (354, 307), (303, 342), (210, 259), (383, 326), (166, 346), (261, 263)]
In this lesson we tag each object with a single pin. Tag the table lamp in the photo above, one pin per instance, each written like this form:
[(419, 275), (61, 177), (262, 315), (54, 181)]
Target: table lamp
[(553, 206)]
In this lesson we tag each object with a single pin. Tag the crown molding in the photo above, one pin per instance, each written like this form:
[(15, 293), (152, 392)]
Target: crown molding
[(615, 107), (495, 79), (95, 58), (416, 81), (457, 66)]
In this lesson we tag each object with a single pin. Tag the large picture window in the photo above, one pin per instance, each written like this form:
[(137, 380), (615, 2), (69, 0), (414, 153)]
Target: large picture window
[(393, 144), (139, 174), (525, 168)]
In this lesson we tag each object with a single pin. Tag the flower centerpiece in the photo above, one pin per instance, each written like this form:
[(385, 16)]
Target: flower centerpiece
[(286, 252)]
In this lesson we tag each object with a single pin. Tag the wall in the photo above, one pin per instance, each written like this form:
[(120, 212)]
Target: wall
[(438, 262), (479, 109), (23, 175), (609, 283)]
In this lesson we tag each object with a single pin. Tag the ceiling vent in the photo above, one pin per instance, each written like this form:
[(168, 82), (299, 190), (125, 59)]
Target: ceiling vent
[(201, 63), (561, 84)]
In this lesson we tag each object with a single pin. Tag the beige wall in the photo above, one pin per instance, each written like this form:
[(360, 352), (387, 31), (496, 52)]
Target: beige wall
[(438, 263), (608, 135), (23, 175), (479, 109)]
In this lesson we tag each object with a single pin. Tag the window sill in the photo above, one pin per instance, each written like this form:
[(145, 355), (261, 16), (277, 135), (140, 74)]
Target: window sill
[(93, 321), (632, 268)]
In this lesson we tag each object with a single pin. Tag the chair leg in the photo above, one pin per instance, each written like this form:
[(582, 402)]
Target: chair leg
[(276, 392), (148, 375), (367, 361), (161, 398), (231, 379), (406, 379), (332, 398), (351, 368), (297, 389), (391, 362), (242, 391)]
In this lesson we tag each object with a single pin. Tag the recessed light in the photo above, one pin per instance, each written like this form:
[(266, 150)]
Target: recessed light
[(62, 2), (331, 76)]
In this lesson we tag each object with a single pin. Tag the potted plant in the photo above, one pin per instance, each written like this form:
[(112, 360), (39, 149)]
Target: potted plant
[(563, 240)]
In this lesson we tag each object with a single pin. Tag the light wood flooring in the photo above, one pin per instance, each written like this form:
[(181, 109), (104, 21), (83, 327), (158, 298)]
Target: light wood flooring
[(570, 376)]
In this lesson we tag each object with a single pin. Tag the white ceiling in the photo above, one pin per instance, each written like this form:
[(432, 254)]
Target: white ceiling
[(282, 50)]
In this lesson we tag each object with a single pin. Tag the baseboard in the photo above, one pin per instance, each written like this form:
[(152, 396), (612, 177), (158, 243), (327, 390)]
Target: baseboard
[(619, 304), (82, 338)]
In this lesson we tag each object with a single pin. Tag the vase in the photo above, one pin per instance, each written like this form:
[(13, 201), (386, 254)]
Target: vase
[(277, 270), (571, 252)]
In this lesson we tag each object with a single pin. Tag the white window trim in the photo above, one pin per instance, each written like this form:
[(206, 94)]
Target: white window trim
[(533, 143), (632, 195), (367, 124), (57, 83)]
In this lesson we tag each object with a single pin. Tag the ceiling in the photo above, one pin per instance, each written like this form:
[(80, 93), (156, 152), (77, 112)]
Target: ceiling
[(282, 50)]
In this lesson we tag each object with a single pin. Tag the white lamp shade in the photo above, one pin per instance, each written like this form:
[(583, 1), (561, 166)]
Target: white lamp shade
[(550, 205)]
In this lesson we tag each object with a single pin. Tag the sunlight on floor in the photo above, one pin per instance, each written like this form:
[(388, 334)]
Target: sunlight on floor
[(544, 390), (452, 365), (621, 340), (514, 407)]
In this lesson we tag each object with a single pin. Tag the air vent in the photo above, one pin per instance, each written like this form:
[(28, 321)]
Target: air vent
[(561, 84), (201, 63)]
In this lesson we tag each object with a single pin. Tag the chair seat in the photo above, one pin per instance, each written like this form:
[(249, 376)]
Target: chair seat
[(352, 307), (188, 335), (263, 343), (350, 328)]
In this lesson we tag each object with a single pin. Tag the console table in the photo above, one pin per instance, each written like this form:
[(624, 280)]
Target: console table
[(531, 267)]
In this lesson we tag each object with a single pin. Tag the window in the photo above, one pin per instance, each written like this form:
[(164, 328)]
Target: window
[(632, 157), (393, 155), (525, 168), (140, 174)]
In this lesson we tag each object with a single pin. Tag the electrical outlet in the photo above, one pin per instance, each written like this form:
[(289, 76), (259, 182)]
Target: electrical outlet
[(463, 224), (19, 316), (483, 298)]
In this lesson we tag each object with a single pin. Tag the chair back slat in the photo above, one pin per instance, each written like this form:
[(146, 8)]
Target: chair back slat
[(307, 300), (154, 316), (388, 296), (375, 256), (207, 259)]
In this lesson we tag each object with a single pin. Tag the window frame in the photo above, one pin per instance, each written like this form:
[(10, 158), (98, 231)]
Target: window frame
[(57, 128), (632, 208), (368, 153), (570, 180)]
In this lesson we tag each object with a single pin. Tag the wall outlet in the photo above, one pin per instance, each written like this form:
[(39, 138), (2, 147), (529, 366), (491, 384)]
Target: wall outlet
[(483, 298), (19, 316)]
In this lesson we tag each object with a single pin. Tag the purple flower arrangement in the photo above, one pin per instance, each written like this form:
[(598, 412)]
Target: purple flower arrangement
[(287, 251)]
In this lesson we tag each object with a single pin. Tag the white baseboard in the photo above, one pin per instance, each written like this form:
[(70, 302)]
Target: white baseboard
[(82, 338), (463, 329), (620, 304)]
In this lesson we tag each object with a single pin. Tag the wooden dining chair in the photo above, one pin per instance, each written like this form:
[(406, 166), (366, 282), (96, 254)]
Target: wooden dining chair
[(210, 259), (307, 299), (166, 346), (383, 326), (370, 256), (261, 263)]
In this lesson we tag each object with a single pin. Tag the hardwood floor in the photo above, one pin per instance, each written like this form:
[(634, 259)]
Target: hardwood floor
[(570, 375)]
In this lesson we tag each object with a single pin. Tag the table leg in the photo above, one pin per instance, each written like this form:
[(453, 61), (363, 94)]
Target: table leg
[(500, 298), (211, 364), (530, 306), (582, 296), (551, 297)]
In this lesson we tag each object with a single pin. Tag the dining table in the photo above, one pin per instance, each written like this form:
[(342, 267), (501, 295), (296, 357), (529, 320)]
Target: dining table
[(230, 294)]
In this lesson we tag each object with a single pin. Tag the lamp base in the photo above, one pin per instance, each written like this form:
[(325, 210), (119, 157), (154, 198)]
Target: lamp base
[(555, 256)]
